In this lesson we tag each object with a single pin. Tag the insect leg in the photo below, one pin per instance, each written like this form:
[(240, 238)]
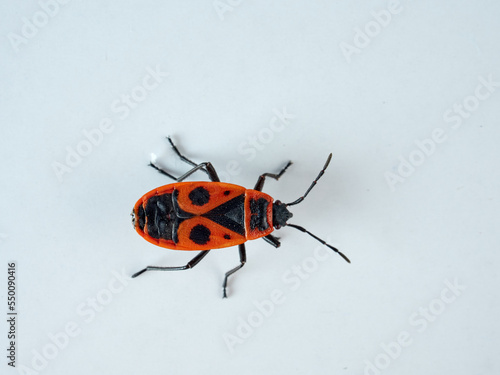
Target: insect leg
[(212, 174), (243, 259), (206, 167), (260, 182), (183, 158), (272, 240), (163, 172), (193, 262)]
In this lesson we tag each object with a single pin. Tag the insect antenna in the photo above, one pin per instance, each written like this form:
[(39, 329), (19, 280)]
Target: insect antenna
[(320, 240), (297, 201)]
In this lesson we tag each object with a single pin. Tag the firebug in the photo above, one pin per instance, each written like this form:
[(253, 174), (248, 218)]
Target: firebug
[(206, 215)]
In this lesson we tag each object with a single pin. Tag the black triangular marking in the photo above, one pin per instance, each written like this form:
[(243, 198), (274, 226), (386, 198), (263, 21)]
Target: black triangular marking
[(230, 215), (237, 214)]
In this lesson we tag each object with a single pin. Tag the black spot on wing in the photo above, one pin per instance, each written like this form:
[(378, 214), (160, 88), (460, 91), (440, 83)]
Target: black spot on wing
[(199, 196), (200, 234)]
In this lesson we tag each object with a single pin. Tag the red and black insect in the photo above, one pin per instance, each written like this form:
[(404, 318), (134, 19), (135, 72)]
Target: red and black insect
[(204, 215)]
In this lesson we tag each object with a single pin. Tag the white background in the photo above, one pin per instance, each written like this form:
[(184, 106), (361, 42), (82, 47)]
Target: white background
[(229, 72)]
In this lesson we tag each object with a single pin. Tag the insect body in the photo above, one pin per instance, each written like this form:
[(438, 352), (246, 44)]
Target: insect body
[(211, 215), (203, 215)]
